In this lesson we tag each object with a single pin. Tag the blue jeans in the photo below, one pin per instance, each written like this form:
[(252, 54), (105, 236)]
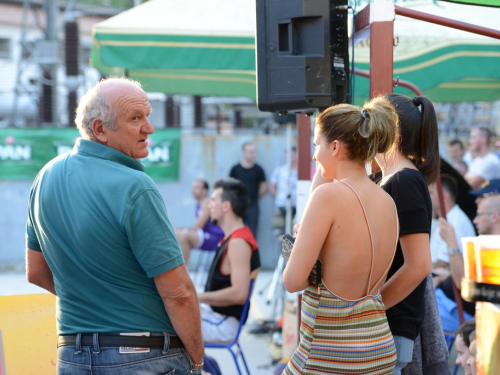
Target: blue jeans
[(404, 348), (95, 360)]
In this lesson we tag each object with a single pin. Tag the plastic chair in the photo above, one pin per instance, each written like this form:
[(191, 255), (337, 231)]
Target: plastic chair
[(235, 342)]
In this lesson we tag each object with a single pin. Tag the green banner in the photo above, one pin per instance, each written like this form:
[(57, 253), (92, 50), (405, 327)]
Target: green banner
[(23, 152)]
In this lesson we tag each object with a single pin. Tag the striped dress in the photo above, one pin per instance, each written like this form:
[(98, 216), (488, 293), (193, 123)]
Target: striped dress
[(340, 336)]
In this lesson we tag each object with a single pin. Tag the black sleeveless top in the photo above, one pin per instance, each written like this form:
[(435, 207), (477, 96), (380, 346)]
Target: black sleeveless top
[(217, 281)]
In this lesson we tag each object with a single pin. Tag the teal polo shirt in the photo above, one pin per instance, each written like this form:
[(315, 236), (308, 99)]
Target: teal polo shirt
[(103, 229)]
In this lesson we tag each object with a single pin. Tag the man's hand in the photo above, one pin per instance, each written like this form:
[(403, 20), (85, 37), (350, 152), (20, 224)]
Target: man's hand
[(447, 233), (441, 275)]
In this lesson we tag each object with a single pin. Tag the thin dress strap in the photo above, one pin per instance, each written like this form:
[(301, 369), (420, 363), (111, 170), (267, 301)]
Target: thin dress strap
[(394, 252), (369, 232)]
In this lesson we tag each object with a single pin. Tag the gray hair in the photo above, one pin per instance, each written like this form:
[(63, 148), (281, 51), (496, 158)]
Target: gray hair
[(95, 105)]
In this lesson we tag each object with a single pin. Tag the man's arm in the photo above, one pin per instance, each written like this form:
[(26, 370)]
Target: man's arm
[(273, 188), (447, 233), (202, 219), (262, 182), (38, 271), (273, 183), (262, 188), (416, 267), (475, 182), (239, 254), (179, 297)]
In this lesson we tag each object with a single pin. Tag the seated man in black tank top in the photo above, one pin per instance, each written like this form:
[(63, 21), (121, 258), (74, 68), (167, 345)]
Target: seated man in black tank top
[(236, 261)]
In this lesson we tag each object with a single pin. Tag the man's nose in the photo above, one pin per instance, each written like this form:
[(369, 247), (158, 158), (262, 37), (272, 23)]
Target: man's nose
[(148, 127)]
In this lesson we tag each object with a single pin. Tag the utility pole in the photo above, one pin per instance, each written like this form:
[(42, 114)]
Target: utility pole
[(48, 59), (72, 45)]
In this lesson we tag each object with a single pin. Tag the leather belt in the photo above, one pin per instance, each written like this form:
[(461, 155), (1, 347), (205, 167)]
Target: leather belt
[(153, 342)]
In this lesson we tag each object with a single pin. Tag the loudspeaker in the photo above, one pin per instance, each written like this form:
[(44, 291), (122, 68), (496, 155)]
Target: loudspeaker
[(302, 55)]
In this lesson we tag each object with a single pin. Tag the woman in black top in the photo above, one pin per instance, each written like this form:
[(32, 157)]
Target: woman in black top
[(405, 175), (406, 172)]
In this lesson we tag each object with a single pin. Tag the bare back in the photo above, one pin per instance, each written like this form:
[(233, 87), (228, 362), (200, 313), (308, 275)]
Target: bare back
[(347, 251)]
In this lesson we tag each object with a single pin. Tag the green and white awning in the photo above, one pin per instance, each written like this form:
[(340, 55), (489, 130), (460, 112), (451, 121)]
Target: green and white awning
[(193, 47), (207, 47), (448, 65)]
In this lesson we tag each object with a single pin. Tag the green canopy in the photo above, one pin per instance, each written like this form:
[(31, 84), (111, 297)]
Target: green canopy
[(195, 47), (448, 65), (206, 47)]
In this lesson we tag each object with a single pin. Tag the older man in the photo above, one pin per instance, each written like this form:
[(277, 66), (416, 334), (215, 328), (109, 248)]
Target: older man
[(487, 222), (99, 238), (487, 219)]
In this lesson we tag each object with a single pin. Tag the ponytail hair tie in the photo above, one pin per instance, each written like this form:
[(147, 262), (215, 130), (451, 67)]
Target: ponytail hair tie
[(415, 101), (363, 113)]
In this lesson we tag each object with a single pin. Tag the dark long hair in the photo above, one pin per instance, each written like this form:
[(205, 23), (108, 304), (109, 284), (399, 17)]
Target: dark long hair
[(418, 133)]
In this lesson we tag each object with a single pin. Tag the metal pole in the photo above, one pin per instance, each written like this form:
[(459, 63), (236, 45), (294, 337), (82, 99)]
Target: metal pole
[(415, 14), (395, 82), (304, 147), (381, 48), (288, 153), (48, 61), (52, 36)]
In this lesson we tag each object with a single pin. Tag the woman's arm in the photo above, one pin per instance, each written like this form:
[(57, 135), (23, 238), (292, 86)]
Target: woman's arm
[(315, 225), (416, 267)]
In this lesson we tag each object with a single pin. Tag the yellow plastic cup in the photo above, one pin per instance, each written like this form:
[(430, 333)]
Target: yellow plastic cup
[(488, 259)]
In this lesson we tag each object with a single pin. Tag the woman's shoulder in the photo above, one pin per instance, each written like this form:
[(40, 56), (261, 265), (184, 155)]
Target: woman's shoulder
[(407, 178), (332, 192)]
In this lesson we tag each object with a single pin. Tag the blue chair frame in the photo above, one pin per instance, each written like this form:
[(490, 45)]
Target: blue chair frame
[(235, 342)]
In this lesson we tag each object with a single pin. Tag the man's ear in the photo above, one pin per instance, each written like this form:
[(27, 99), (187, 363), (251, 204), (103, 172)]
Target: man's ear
[(226, 206), (100, 131)]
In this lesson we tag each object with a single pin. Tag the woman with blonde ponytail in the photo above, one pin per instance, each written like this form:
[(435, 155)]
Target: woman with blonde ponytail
[(351, 226)]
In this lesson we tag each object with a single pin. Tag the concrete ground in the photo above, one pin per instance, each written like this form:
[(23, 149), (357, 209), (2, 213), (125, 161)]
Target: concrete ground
[(261, 350)]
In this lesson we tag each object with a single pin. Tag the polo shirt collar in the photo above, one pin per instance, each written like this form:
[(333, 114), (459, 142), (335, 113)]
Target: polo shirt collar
[(105, 152)]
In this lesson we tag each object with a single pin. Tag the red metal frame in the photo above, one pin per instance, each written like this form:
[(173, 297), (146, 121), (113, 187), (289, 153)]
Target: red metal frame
[(395, 81), (405, 12), (304, 147)]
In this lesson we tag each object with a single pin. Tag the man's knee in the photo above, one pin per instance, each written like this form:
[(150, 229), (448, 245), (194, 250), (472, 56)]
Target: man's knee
[(180, 236)]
